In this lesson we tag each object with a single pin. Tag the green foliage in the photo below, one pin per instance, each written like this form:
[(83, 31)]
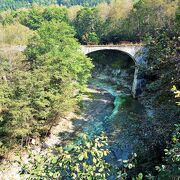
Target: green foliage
[(6, 18), (55, 13), (14, 34), (87, 25), (177, 94), (36, 16), (34, 19), (170, 168), (16, 4), (81, 2), (92, 38), (132, 23), (126, 20), (15, 112), (163, 53), (60, 68), (84, 160)]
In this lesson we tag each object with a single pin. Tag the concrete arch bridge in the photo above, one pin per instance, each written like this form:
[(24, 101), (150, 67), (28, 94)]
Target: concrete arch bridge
[(137, 52)]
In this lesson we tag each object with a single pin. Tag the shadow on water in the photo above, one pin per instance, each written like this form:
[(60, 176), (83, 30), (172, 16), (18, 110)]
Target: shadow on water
[(94, 112)]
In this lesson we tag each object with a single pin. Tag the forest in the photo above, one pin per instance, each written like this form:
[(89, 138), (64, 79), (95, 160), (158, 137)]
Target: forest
[(44, 77), (16, 4)]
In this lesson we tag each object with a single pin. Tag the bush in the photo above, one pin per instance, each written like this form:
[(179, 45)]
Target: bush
[(84, 160)]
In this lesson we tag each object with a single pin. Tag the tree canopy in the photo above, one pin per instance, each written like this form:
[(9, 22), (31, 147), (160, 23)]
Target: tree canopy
[(14, 4)]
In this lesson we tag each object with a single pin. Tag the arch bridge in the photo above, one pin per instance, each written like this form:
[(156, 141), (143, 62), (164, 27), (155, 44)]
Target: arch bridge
[(136, 51)]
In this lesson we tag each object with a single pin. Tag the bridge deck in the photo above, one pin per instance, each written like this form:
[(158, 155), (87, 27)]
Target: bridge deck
[(114, 45)]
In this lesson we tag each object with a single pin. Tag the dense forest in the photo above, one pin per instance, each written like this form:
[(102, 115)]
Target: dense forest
[(15, 4), (46, 81)]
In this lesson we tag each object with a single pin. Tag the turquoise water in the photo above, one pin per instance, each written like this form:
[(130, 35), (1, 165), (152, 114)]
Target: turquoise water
[(119, 97), (113, 118)]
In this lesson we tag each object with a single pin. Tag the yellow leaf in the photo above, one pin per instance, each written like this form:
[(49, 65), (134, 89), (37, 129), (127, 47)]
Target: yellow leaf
[(174, 88), (94, 160), (85, 155)]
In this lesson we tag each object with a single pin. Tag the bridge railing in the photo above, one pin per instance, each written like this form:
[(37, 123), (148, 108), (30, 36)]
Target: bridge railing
[(115, 45)]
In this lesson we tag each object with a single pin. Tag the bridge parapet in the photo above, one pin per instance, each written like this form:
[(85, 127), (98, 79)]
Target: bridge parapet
[(114, 45)]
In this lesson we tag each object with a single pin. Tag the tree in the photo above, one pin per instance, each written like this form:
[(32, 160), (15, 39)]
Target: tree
[(36, 16), (81, 2), (14, 4), (55, 13), (16, 119), (72, 12), (119, 9), (87, 21), (132, 20), (170, 167), (34, 19), (92, 38), (54, 56), (148, 15), (103, 10), (14, 34)]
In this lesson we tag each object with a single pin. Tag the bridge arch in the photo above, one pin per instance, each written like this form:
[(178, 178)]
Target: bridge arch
[(126, 53), (136, 52)]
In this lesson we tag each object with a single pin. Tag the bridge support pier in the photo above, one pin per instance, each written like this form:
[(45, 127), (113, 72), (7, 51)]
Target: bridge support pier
[(138, 83), (135, 82)]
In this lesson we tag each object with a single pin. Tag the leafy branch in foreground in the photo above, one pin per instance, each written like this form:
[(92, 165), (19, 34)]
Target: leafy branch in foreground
[(177, 94), (84, 160)]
